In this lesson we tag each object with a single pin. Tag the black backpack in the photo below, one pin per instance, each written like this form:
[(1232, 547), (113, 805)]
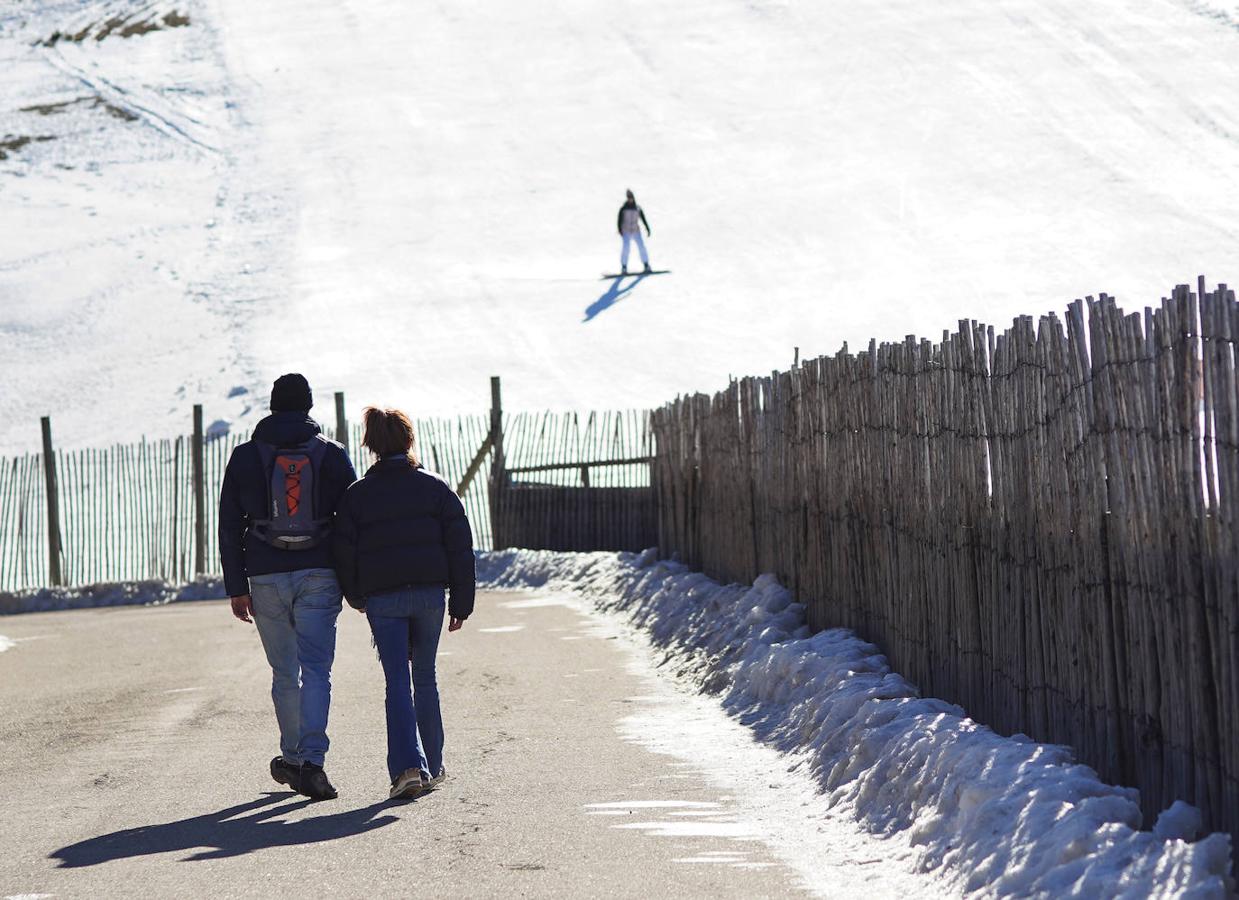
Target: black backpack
[(293, 496)]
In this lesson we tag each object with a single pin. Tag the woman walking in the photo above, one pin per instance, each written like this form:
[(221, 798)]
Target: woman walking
[(401, 540)]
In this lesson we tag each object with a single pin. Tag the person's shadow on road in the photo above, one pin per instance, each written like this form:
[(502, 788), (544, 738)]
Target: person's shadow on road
[(611, 296), (228, 832)]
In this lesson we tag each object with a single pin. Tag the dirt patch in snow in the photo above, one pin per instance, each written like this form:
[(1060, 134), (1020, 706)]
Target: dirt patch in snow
[(91, 102), (12, 143), (129, 26)]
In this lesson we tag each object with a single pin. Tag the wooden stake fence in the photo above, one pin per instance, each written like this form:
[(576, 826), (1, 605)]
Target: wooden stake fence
[(1040, 524), (150, 510), (51, 489), (200, 513)]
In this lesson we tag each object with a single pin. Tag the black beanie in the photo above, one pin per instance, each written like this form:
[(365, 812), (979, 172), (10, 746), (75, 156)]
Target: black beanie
[(291, 393)]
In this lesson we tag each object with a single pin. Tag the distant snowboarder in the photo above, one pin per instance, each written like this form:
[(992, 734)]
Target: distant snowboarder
[(631, 218)]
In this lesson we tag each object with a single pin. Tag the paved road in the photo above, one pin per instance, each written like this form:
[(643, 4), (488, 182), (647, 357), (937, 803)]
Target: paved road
[(134, 744)]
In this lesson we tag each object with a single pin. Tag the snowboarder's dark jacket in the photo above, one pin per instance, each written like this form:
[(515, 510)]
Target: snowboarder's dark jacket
[(244, 496), (635, 212), (399, 526)]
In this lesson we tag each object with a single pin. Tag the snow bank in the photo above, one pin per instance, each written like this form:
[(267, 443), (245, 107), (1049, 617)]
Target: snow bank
[(1002, 815), (125, 593)]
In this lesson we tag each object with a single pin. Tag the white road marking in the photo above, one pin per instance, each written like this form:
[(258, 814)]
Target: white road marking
[(653, 804), (733, 860)]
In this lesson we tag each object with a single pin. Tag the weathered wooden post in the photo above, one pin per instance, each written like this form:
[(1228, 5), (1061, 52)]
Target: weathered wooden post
[(53, 505), (199, 475), (498, 467), (341, 422)]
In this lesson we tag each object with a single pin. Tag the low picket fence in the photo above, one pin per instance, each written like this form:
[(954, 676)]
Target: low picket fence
[(149, 509)]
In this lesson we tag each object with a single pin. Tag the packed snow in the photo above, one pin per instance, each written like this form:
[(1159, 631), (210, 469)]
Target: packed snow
[(1003, 815), (402, 198), (154, 592)]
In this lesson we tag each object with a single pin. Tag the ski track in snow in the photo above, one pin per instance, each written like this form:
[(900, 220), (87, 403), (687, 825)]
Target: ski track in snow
[(427, 193)]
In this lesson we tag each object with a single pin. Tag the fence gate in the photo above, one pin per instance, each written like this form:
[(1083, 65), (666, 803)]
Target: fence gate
[(560, 481)]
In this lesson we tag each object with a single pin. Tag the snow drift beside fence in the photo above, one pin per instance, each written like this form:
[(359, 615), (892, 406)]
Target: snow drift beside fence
[(1005, 815), (152, 592)]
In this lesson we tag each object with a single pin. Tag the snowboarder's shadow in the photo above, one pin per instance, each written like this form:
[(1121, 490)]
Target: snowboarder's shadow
[(230, 832), (612, 295)]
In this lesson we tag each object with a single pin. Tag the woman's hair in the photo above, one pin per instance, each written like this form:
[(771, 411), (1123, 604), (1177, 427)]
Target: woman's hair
[(387, 432)]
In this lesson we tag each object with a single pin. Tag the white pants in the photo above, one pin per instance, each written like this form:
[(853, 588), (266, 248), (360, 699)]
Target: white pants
[(628, 239)]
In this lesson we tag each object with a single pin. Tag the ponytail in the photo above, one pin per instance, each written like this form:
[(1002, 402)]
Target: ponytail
[(388, 432)]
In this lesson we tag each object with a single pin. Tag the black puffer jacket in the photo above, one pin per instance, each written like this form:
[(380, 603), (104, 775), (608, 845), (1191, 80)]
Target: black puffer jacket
[(403, 526), (244, 494)]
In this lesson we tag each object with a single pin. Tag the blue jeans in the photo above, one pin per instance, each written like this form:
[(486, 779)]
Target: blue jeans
[(296, 617), (406, 624)]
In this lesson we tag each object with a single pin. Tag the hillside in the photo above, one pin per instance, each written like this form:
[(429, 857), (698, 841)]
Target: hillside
[(401, 198)]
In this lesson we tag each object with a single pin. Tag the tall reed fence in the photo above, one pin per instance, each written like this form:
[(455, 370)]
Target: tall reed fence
[(130, 512), (1040, 524)]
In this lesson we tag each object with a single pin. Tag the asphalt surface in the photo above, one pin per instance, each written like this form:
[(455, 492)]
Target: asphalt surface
[(134, 745)]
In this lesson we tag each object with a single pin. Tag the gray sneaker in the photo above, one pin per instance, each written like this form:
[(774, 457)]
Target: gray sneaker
[(438, 779), (411, 783)]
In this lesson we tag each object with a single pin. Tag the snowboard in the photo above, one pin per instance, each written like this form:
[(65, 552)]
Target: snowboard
[(636, 274)]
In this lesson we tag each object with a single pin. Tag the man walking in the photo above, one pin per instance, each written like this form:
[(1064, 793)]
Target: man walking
[(631, 218), (276, 508)]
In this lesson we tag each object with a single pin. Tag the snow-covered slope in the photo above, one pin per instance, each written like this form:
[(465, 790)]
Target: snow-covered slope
[(401, 198)]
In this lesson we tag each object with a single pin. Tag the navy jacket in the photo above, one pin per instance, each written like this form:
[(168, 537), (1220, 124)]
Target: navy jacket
[(243, 499), (401, 526)]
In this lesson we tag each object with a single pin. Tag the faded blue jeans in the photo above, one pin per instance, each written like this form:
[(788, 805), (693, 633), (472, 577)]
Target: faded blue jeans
[(296, 617), (406, 625)]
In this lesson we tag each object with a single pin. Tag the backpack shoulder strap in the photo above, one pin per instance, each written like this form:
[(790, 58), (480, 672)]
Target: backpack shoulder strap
[(317, 451), (316, 448), (266, 461), (266, 453)]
